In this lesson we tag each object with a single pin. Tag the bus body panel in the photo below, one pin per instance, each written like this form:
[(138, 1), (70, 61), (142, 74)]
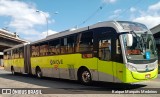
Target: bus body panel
[(105, 70), (118, 71), (7, 65), (63, 66), (18, 65)]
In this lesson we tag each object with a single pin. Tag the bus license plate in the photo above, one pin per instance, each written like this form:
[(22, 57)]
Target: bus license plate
[(147, 75)]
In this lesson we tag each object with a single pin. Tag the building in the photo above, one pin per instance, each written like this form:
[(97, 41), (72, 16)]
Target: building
[(156, 33), (8, 40)]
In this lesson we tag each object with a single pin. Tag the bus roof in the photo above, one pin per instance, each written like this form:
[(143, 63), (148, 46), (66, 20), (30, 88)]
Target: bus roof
[(113, 24)]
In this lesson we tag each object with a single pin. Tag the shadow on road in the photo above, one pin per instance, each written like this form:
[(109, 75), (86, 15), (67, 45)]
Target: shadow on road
[(69, 85)]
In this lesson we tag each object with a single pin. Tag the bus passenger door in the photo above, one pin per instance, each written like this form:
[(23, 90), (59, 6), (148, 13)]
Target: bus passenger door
[(117, 62), (105, 65)]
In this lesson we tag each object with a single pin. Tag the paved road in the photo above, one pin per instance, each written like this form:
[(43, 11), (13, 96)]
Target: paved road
[(67, 88)]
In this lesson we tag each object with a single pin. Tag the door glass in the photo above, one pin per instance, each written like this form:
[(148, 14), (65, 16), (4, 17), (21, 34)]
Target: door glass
[(105, 49)]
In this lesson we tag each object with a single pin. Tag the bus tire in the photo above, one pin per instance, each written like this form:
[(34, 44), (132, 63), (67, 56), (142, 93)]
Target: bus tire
[(38, 72), (85, 77)]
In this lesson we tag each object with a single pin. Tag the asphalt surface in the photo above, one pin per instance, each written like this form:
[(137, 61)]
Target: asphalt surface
[(60, 87)]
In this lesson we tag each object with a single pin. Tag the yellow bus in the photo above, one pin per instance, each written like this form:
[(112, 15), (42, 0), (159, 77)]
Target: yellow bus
[(16, 59), (112, 51)]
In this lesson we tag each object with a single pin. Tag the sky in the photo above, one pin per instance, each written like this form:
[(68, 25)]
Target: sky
[(20, 16)]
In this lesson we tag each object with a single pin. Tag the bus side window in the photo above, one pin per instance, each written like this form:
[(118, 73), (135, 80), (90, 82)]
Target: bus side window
[(5, 55), (44, 49), (118, 47), (70, 44), (21, 50), (9, 55), (35, 50), (15, 53), (85, 43), (63, 45), (67, 44), (54, 47)]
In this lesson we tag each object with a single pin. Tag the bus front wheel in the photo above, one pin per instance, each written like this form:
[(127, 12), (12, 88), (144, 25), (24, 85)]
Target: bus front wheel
[(85, 77)]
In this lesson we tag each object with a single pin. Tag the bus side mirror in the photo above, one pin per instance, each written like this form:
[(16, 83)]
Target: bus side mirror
[(129, 39)]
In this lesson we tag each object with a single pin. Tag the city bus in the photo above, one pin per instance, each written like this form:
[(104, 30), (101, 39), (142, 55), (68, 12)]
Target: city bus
[(110, 51)]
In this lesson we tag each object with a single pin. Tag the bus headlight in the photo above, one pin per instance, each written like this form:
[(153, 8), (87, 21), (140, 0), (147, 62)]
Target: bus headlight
[(131, 68)]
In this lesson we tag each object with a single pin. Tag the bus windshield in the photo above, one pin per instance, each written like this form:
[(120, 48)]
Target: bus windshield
[(133, 26), (142, 43)]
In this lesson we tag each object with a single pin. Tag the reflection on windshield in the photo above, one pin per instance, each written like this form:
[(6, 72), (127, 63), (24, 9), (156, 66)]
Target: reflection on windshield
[(142, 43), (133, 26)]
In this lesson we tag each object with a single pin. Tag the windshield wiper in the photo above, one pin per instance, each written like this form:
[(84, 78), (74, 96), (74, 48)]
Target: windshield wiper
[(139, 41), (144, 40)]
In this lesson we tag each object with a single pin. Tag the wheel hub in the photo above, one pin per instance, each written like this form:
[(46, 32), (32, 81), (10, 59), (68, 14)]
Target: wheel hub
[(86, 76)]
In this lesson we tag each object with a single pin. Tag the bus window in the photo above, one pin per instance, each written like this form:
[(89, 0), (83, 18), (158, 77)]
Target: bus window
[(15, 53), (21, 50), (44, 49), (54, 47), (70, 44), (105, 50), (67, 44), (8, 55), (86, 42), (35, 50), (118, 47), (5, 55), (63, 45)]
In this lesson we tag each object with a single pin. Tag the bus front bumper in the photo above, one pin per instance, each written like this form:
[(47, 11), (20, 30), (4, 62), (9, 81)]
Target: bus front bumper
[(132, 77)]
